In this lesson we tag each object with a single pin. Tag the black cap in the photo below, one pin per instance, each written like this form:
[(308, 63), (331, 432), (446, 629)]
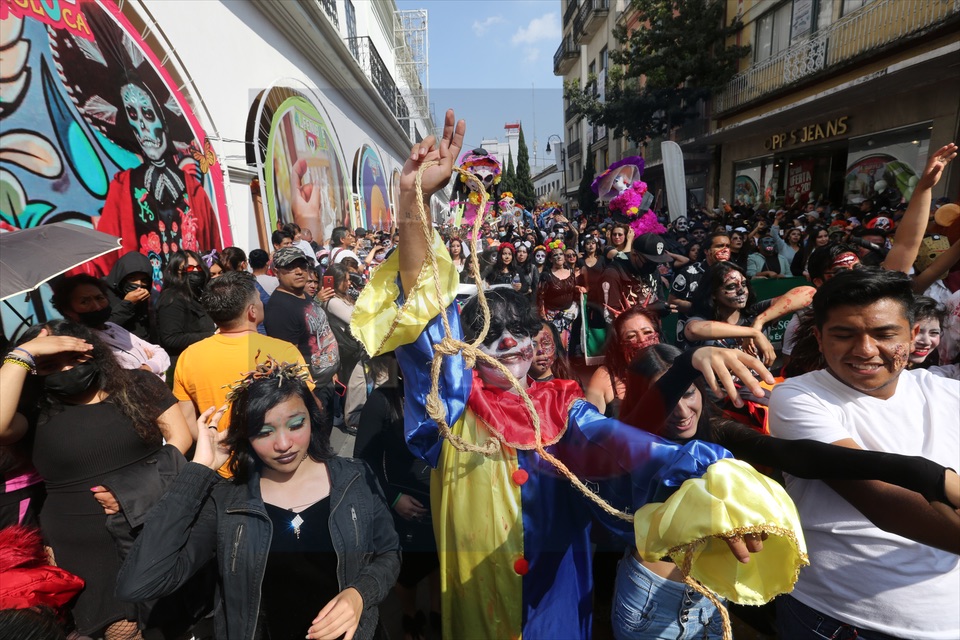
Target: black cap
[(652, 247)]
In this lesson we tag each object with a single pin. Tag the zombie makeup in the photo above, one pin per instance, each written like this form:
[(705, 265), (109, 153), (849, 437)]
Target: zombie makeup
[(844, 261), (733, 291), (545, 354)]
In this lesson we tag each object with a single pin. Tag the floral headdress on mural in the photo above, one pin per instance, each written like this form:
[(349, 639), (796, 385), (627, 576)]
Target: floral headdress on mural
[(620, 184)]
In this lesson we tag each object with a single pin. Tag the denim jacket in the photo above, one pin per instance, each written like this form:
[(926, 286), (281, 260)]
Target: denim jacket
[(203, 517)]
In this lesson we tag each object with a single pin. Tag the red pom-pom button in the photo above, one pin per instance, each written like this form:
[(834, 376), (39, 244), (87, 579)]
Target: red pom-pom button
[(521, 566), (520, 477)]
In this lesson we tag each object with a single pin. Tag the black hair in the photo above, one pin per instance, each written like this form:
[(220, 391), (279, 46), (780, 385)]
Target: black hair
[(862, 287), (232, 257), (650, 364), (509, 310), (33, 623), (292, 228), (717, 234), (703, 303), (277, 237), (124, 388), (227, 297), (259, 259), (247, 414), (822, 257), (337, 235), (925, 307), (176, 283), (63, 290)]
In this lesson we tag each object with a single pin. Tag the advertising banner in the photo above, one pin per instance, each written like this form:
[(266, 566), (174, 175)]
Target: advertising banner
[(305, 180)]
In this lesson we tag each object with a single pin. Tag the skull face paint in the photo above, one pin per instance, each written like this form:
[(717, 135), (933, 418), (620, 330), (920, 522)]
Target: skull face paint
[(733, 291), (680, 224), (545, 354), (513, 352), (540, 257), (144, 119)]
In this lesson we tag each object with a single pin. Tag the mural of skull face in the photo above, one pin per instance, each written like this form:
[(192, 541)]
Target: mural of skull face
[(144, 118)]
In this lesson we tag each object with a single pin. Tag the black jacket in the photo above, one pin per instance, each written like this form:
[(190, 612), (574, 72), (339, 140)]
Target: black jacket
[(135, 318), (203, 517), (181, 321)]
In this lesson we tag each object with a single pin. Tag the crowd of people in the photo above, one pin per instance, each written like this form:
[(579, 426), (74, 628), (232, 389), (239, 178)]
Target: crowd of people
[(247, 361)]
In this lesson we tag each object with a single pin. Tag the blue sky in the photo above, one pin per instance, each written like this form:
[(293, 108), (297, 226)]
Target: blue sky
[(510, 45)]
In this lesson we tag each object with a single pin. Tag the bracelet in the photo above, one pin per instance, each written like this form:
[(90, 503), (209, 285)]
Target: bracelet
[(29, 355), (396, 500), (20, 363)]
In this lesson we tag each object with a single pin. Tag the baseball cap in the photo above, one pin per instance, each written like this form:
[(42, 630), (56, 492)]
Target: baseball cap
[(651, 247), (286, 256)]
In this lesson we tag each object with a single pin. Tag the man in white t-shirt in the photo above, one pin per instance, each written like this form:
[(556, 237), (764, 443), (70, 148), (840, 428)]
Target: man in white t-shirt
[(865, 580), (342, 244)]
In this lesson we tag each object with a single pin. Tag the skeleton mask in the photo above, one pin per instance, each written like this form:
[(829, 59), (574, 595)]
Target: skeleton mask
[(483, 175), (144, 119)]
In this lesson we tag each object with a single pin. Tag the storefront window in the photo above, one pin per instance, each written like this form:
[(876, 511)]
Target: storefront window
[(886, 166), (756, 182)]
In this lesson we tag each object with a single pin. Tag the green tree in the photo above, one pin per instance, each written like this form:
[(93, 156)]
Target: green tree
[(523, 187), (663, 70), (508, 178), (586, 196)]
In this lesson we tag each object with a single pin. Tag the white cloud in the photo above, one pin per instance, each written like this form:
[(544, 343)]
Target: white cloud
[(546, 28), (531, 54), (480, 27)]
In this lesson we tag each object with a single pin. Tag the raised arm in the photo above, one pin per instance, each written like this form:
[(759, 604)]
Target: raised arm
[(413, 244), (909, 234), (941, 264), (790, 302)]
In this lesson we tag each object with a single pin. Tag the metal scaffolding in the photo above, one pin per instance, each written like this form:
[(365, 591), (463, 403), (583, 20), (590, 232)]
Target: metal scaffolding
[(411, 59)]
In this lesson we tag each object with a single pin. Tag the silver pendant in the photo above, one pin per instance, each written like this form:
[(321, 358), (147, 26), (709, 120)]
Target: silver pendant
[(296, 522)]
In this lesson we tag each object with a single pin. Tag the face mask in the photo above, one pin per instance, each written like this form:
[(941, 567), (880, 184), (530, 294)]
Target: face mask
[(130, 286), (197, 280), (72, 382), (95, 319)]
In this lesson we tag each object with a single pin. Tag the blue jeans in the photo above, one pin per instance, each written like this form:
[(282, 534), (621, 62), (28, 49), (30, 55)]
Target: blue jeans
[(797, 621), (648, 606)]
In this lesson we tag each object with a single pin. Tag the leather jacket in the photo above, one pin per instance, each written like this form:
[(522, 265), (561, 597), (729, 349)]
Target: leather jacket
[(203, 517)]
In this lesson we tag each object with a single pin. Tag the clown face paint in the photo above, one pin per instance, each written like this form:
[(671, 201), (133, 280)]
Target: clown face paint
[(143, 118), (733, 291), (540, 257), (513, 352)]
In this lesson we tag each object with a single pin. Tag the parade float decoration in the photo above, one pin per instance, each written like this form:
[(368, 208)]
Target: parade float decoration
[(629, 200)]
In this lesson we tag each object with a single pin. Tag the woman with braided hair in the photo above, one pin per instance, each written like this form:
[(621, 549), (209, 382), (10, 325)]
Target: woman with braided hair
[(303, 540), (510, 501)]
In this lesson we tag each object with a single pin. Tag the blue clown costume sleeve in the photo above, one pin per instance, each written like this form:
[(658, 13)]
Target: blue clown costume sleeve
[(513, 533)]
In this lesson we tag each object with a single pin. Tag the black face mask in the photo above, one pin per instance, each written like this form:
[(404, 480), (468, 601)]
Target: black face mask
[(72, 382), (197, 280), (130, 286), (95, 319)]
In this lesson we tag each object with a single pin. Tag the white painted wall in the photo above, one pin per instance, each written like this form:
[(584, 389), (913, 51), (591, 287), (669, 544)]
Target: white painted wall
[(232, 53)]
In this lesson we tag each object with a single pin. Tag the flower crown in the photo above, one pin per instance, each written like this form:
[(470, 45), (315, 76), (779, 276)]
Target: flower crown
[(269, 368), (556, 245)]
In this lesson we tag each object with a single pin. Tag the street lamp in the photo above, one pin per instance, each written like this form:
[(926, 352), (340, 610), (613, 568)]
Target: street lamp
[(563, 162)]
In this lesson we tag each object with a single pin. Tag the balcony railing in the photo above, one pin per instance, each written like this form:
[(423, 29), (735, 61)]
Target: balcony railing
[(566, 53), (866, 32), (568, 114), (591, 15), (573, 149), (374, 68), (569, 12), (330, 8)]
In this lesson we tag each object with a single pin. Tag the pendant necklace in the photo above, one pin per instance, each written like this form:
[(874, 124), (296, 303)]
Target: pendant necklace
[(296, 522)]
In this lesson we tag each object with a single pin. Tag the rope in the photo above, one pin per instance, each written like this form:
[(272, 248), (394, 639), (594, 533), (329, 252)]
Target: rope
[(449, 346), (694, 584)]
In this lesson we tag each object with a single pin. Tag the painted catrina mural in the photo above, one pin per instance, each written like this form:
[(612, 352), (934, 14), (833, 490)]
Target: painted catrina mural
[(308, 182), (371, 185), (95, 132)]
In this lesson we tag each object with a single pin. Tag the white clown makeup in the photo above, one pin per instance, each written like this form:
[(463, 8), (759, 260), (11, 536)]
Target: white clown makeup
[(513, 352)]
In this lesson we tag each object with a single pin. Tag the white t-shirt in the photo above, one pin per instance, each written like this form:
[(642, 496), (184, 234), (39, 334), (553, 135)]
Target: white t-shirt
[(858, 573), (269, 283), (340, 254)]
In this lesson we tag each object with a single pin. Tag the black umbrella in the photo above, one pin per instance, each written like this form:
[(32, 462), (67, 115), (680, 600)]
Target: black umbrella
[(30, 257)]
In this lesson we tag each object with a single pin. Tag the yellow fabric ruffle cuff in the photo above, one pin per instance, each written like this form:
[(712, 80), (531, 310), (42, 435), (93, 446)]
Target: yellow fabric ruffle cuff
[(380, 324), (731, 498)]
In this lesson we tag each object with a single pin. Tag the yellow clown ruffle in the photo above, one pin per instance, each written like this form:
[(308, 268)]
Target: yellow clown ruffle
[(731, 498), (380, 324)]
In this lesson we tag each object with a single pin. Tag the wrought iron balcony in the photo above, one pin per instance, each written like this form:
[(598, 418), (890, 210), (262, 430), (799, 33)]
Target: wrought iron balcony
[(566, 53), (878, 26), (330, 8), (569, 12), (573, 149), (568, 114), (590, 17), (374, 68)]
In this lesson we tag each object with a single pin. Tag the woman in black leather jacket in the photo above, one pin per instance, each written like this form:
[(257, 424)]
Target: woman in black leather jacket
[(303, 541)]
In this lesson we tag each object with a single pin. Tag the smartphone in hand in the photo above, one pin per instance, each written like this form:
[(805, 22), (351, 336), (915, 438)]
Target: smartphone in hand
[(328, 282)]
